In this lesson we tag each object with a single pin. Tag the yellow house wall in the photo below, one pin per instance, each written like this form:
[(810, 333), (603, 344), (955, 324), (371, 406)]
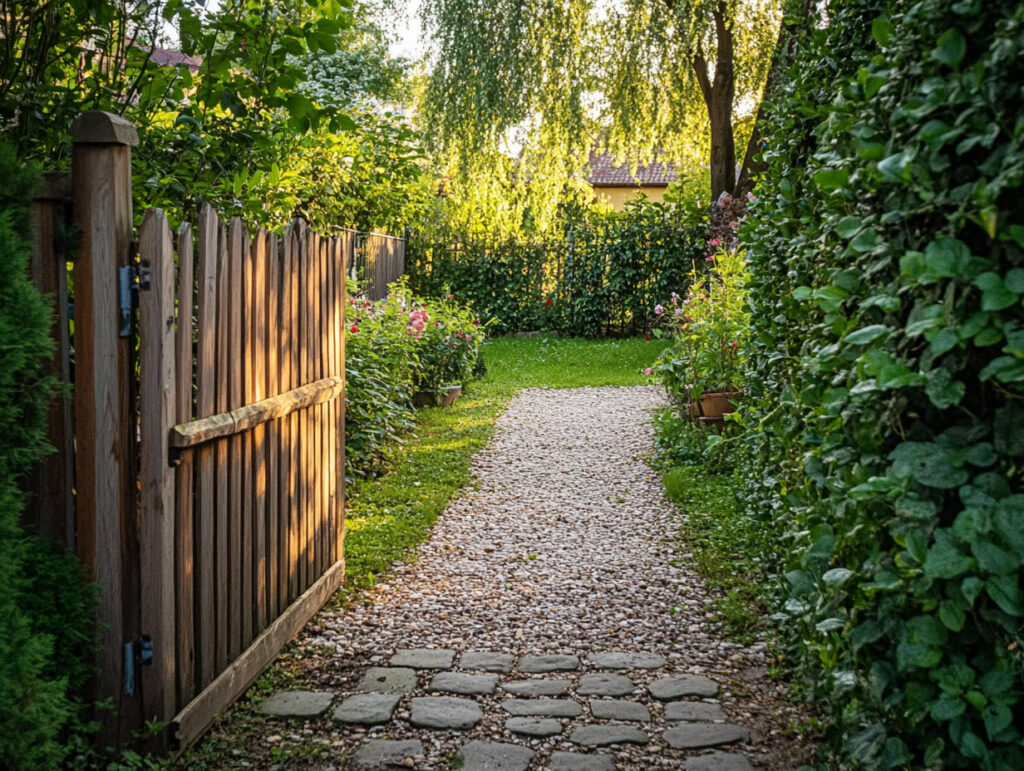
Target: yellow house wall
[(616, 197)]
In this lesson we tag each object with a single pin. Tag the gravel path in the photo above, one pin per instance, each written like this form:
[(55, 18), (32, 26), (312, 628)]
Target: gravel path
[(565, 545)]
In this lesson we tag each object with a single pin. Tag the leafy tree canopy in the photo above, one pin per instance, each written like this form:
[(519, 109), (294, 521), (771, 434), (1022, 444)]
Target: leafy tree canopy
[(643, 75)]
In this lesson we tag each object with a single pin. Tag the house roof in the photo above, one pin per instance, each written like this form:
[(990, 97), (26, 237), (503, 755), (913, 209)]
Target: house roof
[(604, 172), (162, 57)]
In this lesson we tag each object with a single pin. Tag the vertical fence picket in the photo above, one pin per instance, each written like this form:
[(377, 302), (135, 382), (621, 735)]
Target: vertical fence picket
[(206, 405), (246, 441), (297, 511), (258, 392), (236, 390), (223, 368), (157, 409), (272, 348), (319, 411), (183, 497), (287, 528)]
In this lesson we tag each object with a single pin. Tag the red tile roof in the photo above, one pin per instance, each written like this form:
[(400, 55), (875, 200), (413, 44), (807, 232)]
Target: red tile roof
[(603, 172)]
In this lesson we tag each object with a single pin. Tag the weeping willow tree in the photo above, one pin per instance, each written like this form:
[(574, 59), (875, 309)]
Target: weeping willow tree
[(643, 75)]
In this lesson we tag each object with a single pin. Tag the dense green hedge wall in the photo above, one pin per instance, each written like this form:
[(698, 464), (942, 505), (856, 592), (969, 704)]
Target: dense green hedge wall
[(43, 592), (602, 275), (887, 384)]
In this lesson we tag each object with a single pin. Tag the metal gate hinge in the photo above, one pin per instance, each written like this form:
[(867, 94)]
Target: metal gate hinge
[(130, 279)]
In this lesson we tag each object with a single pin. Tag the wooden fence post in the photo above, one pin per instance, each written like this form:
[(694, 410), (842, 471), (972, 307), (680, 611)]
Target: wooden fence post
[(157, 416), (102, 195)]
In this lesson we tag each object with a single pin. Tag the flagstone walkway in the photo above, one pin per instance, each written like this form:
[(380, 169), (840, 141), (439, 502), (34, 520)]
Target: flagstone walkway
[(551, 622)]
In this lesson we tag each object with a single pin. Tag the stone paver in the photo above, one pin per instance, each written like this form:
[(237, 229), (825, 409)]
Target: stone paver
[(694, 711), (556, 663), (542, 708), (678, 686), (627, 660), (575, 761), (605, 684), (445, 712), (423, 658), (536, 687), (718, 761), (695, 736), (603, 735), (494, 756), (616, 709), (386, 754), (534, 726), (297, 704), (487, 661), (367, 708), (388, 680), (460, 682)]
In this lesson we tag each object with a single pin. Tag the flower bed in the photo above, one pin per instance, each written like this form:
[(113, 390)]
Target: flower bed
[(394, 348)]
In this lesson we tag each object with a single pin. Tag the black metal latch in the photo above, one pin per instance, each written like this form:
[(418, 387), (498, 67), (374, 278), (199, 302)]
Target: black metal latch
[(137, 653), (130, 279)]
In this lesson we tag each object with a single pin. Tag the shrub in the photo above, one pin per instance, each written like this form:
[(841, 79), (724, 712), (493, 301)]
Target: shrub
[(35, 706), (602, 275), (394, 347), (709, 328), (887, 249)]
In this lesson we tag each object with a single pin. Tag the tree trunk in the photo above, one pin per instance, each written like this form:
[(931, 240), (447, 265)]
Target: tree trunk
[(718, 97)]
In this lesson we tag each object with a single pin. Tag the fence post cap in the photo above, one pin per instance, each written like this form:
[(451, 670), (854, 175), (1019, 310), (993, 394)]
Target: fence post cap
[(103, 128)]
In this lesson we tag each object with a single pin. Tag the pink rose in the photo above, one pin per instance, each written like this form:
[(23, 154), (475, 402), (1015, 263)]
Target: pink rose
[(648, 371)]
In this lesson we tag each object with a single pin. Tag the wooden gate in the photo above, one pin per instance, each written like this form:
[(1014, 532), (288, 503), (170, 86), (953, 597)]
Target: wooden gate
[(241, 455), (205, 447)]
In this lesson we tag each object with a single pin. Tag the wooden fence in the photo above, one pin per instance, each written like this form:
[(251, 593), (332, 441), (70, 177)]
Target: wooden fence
[(206, 443), (379, 261)]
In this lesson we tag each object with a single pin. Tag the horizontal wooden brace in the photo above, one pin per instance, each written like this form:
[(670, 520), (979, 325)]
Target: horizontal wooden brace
[(225, 424)]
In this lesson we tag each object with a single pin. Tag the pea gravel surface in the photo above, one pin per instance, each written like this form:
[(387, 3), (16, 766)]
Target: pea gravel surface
[(563, 545)]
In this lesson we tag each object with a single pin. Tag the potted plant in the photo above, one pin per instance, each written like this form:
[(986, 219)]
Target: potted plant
[(450, 339), (704, 365)]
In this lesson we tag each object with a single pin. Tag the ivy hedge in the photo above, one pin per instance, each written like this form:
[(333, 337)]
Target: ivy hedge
[(887, 377), (603, 274)]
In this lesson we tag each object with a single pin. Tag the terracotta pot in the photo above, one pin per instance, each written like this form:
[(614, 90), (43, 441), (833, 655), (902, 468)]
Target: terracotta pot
[(445, 397), (449, 394), (715, 404)]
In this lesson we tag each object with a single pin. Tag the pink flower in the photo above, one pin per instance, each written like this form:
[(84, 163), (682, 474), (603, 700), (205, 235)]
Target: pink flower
[(353, 328), (715, 242), (709, 258), (648, 371), (679, 312), (658, 310), (675, 298), (437, 323), (751, 197)]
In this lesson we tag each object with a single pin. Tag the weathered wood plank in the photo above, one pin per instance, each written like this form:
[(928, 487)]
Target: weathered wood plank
[(295, 446), (157, 409), (222, 370), (205, 460), (184, 502), (51, 507), (190, 723), (223, 425), (305, 375), (273, 428), (236, 387), (259, 392), (246, 441), (319, 479)]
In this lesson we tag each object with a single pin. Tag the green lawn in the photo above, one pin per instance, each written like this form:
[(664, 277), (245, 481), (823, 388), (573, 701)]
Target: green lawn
[(388, 517)]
